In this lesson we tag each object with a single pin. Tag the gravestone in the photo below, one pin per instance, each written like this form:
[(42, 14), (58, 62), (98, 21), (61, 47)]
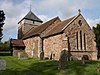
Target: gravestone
[(22, 55), (98, 68), (41, 55), (73, 58), (85, 57), (2, 65), (62, 60), (83, 61)]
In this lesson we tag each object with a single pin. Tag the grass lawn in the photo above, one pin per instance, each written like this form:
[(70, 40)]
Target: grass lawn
[(47, 67)]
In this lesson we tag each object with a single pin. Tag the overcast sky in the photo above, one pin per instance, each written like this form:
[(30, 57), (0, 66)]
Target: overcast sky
[(15, 10)]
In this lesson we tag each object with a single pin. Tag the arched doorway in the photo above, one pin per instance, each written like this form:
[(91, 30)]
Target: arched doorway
[(85, 57)]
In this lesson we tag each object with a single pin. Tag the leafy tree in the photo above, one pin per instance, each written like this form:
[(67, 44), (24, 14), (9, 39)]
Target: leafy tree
[(2, 18), (96, 31), (5, 46)]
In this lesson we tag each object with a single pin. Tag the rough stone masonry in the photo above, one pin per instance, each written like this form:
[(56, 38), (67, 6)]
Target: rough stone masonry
[(2, 65)]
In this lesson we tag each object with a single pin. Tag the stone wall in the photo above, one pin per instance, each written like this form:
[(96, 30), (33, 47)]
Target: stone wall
[(71, 31), (15, 52), (54, 45), (24, 28), (79, 55), (86, 45), (33, 46)]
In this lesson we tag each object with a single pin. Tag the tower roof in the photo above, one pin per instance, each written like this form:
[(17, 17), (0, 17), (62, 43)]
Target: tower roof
[(31, 16)]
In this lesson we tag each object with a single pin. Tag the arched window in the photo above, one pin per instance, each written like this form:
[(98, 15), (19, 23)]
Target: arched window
[(79, 22), (81, 40), (68, 43), (77, 40), (84, 41)]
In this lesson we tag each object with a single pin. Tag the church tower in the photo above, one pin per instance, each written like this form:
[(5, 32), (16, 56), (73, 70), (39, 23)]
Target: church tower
[(25, 24)]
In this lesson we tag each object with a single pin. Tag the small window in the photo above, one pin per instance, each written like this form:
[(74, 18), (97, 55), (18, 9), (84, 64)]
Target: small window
[(80, 22), (33, 22)]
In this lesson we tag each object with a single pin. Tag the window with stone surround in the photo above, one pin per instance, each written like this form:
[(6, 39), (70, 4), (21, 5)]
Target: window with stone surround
[(68, 43), (80, 22), (81, 40), (77, 39), (84, 41)]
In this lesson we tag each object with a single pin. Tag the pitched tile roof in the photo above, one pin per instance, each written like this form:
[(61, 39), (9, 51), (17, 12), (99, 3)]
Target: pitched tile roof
[(31, 16), (17, 42), (38, 30), (57, 28)]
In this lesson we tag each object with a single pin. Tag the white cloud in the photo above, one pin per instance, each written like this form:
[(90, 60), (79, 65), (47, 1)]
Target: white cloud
[(65, 8), (94, 22), (44, 18), (45, 9), (13, 14), (55, 7)]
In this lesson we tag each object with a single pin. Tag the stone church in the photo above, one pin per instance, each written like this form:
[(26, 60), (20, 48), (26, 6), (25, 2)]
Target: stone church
[(47, 40)]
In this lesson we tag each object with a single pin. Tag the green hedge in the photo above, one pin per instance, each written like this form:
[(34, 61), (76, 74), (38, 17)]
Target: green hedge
[(6, 53), (5, 46)]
